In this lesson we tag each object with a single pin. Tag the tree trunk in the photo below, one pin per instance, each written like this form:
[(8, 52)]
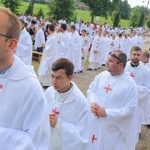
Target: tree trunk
[(92, 19), (32, 5)]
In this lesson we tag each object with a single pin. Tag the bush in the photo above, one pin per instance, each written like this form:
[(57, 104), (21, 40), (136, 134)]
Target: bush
[(40, 13), (148, 22), (29, 10)]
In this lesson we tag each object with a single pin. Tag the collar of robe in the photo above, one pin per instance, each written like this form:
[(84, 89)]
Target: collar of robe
[(71, 85), (4, 71), (146, 62), (132, 65)]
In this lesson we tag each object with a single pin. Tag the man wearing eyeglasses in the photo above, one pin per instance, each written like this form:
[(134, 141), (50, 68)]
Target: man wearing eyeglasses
[(69, 110), (141, 76), (113, 99), (24, 123)]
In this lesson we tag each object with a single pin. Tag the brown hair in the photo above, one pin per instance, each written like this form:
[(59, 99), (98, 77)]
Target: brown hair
[(63, 63), (13, 26), (135, 48), (122, 56)]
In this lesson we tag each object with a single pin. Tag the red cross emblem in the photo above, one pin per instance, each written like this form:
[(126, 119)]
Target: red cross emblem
[(93, 139), (132, 75), (55, 111), (108, 88), (1, 86)]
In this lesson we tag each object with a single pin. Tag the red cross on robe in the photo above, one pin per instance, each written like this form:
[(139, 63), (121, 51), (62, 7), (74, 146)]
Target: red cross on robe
[(1, 86), (93, 138), (108, 88), (132, 75), (55, 111)]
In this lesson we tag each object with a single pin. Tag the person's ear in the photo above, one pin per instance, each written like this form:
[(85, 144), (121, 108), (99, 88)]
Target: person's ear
[(70, 77), (12, 43)]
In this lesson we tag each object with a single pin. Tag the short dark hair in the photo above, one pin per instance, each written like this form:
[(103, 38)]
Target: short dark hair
[(63, 63), (63, 26), (51, 27), (122, 56), (73, 27), (33, 22), (135, 48), (146, 53), (84, 30)]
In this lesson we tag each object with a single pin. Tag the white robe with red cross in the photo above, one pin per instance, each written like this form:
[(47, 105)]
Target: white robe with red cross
[(24, 123), (72, 131), (141, 76), (118, 96)]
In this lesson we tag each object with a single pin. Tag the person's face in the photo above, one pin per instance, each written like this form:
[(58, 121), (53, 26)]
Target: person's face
[(83, 33), (143, 58), (113, 64), (60, 81), (135, 56), (6, 45), (99, 32)]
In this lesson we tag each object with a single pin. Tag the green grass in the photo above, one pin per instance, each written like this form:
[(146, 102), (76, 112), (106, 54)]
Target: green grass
[(84, 15)]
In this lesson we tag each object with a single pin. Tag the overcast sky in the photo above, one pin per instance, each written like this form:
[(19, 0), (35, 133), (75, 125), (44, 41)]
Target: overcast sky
[(133, 3)]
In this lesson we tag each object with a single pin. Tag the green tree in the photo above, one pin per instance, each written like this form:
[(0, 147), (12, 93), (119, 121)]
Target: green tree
[(40, 13), (61, 9), (125, 9), (148, 22), (29, 10), (100, 7), (32, 6), (134, 17), (115, 18), (13, 5), (141, 20)]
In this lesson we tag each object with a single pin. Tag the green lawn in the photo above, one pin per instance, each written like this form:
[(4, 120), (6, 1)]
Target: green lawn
[(84, 15)]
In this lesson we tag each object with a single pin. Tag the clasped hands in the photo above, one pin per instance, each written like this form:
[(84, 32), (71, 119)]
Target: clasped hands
[(53, 120), (97, 110)]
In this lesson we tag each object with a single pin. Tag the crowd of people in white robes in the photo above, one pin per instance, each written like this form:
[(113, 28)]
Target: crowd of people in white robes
[(131, 93)]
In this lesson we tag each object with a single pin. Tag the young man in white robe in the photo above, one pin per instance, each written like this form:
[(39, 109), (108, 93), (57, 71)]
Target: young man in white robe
[(63, 42), (24, 46), (113, 43), (126, 47), (141, 76), (145, 59), (85, 44), (69, 111), (75, 49), (95, 54), (139, 40), (40, 38), (24, 123), (48, 57), (113, 99)]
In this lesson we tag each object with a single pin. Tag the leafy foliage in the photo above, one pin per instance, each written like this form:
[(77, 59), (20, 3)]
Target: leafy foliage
[(13, 5), (116, 18), (100, 7), (40, 13), (125, 9), (61, 9), (148, 22), (134, 17), (29, 10), (141, 20)]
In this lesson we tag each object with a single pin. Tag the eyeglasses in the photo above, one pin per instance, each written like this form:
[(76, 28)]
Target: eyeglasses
[(5, 36), (113, 55)]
